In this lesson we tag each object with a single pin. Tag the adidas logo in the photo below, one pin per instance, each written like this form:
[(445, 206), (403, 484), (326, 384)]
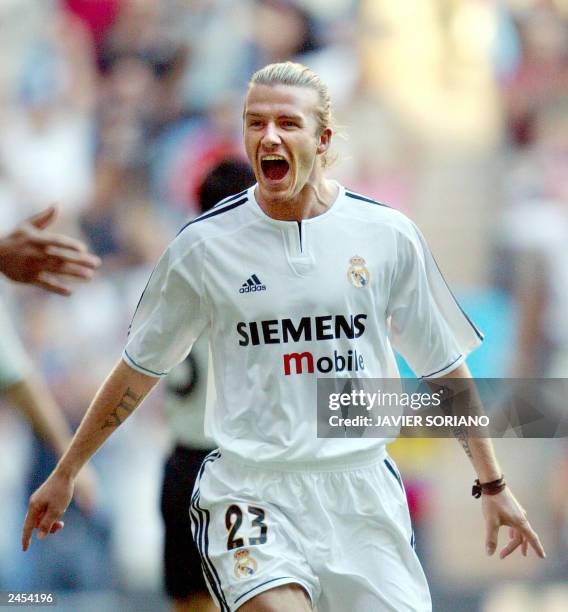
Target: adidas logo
[(252, 284)]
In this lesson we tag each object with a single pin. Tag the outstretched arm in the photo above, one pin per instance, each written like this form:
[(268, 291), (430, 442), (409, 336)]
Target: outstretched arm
[(31, 254), (121, 393), (502, 509)]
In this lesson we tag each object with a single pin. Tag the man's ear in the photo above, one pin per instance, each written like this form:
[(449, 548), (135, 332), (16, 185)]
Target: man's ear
[(324, 140)]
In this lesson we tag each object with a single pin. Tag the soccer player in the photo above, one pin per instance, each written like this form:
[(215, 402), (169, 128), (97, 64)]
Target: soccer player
[(295, 278)]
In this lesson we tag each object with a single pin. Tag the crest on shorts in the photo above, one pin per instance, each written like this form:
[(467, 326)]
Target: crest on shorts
[(357, 273), (245, 565)]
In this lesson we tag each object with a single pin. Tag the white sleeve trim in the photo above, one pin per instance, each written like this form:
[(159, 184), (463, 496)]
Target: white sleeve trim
[(446, 369), (130, 362)]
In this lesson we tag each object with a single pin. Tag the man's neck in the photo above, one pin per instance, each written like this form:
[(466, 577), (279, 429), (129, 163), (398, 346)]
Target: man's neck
[(313, 200)]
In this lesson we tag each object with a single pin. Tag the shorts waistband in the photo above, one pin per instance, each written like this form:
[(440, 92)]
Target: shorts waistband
[(335, 464)]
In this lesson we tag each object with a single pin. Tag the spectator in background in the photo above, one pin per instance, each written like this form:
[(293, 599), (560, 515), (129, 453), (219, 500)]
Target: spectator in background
[(282, 30), (542, 74), (141, 64), (127, 113), (97, 16), (185, 409), (143, 31), (45, 135), (126, 106), (212, 68), (534, 231)]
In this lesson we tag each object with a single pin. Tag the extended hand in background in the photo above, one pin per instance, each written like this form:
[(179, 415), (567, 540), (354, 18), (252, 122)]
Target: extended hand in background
[(31, 254)]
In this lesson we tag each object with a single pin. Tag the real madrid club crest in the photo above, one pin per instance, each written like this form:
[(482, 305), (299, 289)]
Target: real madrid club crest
[(245, 565), (357, 273)]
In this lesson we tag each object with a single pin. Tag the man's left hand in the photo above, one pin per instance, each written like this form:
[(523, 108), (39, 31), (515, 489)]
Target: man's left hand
[(504, 510)]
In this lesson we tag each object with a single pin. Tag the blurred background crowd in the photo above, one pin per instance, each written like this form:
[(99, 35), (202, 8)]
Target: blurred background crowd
[(453, 111)]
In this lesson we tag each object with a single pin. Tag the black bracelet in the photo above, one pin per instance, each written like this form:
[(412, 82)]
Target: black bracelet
[(488, 488)]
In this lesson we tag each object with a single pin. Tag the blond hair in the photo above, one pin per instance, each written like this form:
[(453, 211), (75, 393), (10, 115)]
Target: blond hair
[(298, 75)]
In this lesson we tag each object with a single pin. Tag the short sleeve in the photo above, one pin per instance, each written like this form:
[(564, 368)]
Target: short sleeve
[(428, 327), (170, 315)]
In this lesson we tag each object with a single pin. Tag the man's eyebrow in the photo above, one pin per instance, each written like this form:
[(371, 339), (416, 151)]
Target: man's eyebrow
[(280, 116), (294, 117)]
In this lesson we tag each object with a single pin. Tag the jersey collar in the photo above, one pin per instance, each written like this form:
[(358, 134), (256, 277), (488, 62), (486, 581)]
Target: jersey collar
[(255, 207)]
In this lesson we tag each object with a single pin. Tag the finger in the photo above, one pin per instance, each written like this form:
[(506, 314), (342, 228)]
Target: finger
[(47, 239), (533, 539), (81, 258), (525, 547), (50, 283), (512, 545), (64, 269), (48, 522), (44, 218), (32, 519), (492, 536), (57, 526)]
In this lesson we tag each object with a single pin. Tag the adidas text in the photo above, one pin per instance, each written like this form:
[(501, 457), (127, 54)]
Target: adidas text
[(248, 289)]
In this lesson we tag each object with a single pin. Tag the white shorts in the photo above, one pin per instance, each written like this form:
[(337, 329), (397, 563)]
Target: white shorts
[(345, 536)]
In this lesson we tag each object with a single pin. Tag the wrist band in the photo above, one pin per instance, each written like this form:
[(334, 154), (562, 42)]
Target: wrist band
[(488, 488)]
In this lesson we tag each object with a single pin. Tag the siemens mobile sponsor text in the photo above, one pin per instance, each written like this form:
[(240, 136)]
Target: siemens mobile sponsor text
[(308, 329)]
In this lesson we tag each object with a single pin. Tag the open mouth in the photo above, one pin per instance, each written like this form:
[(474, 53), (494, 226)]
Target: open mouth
[(274, 167)]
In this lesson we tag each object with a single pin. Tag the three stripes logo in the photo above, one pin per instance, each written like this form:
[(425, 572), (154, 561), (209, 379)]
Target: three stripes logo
[(252, 284)]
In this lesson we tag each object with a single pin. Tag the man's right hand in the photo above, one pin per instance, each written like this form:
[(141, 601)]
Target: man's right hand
[(47, 505)]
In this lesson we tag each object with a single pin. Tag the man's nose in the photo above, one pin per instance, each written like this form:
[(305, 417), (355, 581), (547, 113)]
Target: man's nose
[(271, 136)]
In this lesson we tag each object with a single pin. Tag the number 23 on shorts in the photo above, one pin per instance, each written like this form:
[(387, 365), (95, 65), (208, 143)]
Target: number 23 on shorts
[(234, 520)]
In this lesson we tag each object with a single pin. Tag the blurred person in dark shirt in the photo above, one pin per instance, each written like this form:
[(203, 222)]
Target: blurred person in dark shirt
[(142, 31), (185, 400)]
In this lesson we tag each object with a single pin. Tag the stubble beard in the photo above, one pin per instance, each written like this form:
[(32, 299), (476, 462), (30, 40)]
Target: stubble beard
[(282, 196)]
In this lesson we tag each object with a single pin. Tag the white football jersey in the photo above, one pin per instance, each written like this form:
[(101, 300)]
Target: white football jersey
[(287, 302)]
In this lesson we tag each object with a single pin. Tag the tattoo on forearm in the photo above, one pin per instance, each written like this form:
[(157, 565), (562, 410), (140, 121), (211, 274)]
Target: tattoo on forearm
[(458, 402), (128, 402), (461, 436)]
